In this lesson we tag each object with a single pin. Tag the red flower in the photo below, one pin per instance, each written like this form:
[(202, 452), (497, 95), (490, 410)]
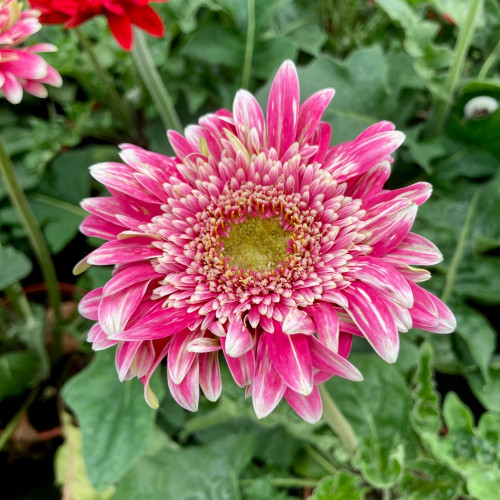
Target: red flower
[(121, 15)]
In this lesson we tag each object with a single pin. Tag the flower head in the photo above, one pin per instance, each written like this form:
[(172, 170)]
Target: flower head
[(262, 241), (121, 15), (21, 67)]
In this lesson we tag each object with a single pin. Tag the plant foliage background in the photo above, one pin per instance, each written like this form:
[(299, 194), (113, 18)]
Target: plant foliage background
[(387, 59)]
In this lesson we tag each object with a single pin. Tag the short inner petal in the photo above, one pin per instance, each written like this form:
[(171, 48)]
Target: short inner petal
[(256, 244)]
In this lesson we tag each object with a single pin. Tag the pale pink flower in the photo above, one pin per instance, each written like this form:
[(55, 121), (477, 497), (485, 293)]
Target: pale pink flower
[(262, 241), (21, 67)]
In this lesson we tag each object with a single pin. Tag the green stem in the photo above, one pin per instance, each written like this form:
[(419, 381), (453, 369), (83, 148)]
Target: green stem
[(62, 205), (286, 482), (459, 54), (37, 242), (18, 300), (115, 102), (154, 83), (321, 460), (490, 60), (14, 421), (462, 241), (247, 64), (338, 422)]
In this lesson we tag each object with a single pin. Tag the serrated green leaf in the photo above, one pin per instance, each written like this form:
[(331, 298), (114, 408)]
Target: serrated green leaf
[(15, 266), (471, 452), (425, 416), (343, 486), (116, 422), (381, 467)]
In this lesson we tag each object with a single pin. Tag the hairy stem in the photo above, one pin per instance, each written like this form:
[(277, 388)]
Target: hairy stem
[(490, 61), (459, 55), (338, 422), (247, 64), (37, 242), (462, 241), (154, 83)]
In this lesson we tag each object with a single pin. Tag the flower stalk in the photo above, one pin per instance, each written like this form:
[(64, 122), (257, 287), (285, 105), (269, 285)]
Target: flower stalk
[(337, 422), (37, 242), (247, 63), (154, 83), (459, 54)]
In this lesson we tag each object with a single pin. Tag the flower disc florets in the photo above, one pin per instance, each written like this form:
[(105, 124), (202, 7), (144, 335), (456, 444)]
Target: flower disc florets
[(261, 240)]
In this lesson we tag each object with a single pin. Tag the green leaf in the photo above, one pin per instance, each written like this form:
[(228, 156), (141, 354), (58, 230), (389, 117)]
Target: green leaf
[(478, 336), (343, 486), (18, 372), (214, 44), (381, 468), (203, 472), (425, 416), (382, 401), (426, 479), (471, 452), (115, 420), (65, 184), (70, 469), (487, 392), (15, 266)]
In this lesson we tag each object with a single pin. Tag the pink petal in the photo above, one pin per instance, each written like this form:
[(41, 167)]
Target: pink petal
[(418, 193), (310, 408), (242, 369), (310, 113), (238, 338), (360, 156), (179, 358), (12, 89), (376, 128), (187, 392), (283, 108), (329, 361), (267, 386), (291, 358), (89, 305), (119, 252), (25, 66), (382, 276), (210, 380), (298, 321), (247, 115), (121, 177), (370, 183), (415, 250), (99, 228), (149, 395), (115, 310), (437, 319), (126, 276), (371, 315), (327, 324), (389, 226), (99, 339), (204, 345), (157, 325), (124, 356)]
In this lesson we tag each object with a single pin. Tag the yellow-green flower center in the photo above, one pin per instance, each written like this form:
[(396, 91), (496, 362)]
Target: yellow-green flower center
[(256, 244)]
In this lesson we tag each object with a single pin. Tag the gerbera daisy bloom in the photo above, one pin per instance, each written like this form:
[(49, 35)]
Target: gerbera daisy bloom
[(262, 241), (121, 15), (20, 67)]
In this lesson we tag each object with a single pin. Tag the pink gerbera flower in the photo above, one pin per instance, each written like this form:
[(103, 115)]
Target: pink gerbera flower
[(20, 67), (262, 241)]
